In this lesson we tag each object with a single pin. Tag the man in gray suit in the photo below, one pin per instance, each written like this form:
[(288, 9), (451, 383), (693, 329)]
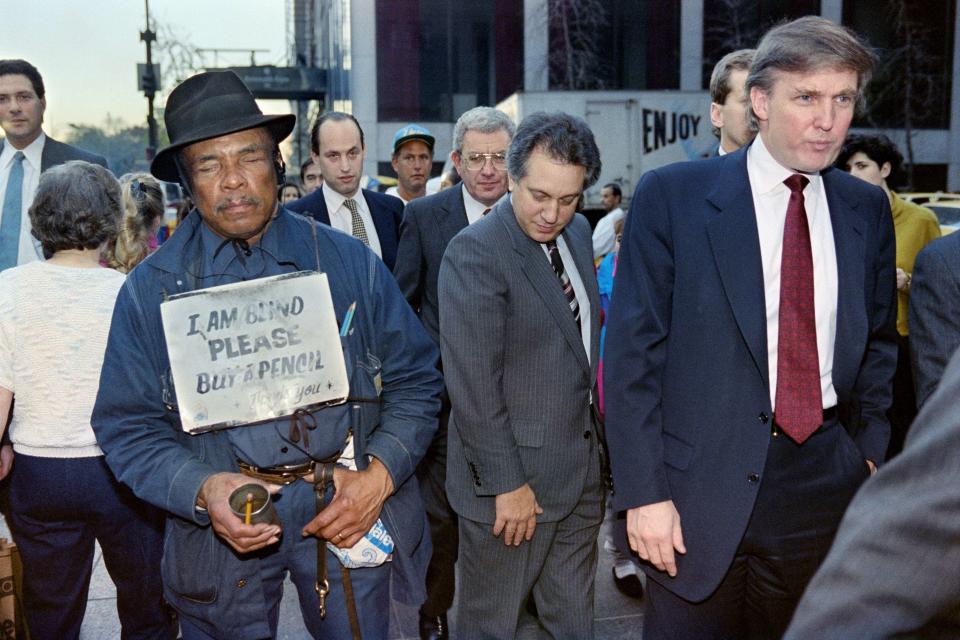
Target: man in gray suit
[(519, 331), (934, 312), (892, 570), (480, 140), (24, 155)]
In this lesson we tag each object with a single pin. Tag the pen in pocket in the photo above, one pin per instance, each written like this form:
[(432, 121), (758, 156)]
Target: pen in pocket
[(348, 319)]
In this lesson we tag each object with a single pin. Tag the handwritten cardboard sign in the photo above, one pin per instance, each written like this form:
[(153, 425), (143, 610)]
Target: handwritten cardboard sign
[(252, 351)]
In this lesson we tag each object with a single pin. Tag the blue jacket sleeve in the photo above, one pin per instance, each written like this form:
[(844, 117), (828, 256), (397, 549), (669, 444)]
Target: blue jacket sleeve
[(873, 388), (411, 381), (635, 350), (144, 445)]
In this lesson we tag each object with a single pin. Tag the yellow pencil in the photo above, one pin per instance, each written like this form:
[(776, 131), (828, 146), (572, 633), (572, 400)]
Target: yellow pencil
[(248, 510)]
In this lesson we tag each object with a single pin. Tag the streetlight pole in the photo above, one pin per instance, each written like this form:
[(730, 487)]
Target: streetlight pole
[(150, 83)]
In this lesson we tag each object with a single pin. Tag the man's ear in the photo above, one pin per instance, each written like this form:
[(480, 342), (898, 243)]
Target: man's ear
[(885, 170), (716, 116), (760, 103)]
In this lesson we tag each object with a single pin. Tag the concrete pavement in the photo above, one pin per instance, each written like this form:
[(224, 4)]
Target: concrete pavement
[(617, 617)]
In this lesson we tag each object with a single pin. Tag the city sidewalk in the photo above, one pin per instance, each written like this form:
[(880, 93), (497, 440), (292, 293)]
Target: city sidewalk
[(617, 617)]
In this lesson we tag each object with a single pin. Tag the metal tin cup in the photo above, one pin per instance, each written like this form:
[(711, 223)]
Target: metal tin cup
[(262, 505)]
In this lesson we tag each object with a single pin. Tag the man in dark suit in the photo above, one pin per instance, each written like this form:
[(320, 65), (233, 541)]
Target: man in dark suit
[(892, 570), (934, 313), (24, 155), (729, 107), (519, 333), (481, 137), (750, 350), (338, 148)]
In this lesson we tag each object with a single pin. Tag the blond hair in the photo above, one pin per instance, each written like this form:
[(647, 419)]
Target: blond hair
[(142, 198)]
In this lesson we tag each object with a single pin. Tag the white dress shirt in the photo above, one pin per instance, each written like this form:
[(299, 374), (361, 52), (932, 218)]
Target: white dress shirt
[(605, 233), (29, 249), (341, 219), (770, 199), (570, 268), (475, 208)]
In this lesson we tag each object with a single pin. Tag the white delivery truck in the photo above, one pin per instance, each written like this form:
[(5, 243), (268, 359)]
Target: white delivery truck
[(635, 130)]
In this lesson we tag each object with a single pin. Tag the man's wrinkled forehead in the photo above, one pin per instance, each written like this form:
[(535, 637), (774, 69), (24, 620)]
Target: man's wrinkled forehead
[(244, 141)]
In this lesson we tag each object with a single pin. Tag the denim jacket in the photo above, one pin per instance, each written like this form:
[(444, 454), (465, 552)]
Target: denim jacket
[(138, 427)]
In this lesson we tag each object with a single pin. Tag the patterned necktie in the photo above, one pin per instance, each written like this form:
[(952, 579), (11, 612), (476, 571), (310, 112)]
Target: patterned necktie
[(799, 405), (357, 230), (557, 262), (12, 212)]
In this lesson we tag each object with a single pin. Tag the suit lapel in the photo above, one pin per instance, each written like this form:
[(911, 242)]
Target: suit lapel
[(536, 268), (51, 155), (848, 238), (736, 251), (452, 218), (378, 220), (321, 214)]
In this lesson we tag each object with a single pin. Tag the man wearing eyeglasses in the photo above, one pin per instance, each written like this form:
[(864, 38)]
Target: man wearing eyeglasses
[(480, 140)]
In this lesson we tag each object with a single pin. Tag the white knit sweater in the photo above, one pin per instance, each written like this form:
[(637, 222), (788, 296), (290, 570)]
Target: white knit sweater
[(54, 322)]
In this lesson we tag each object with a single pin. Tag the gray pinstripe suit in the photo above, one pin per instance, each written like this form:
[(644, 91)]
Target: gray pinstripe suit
[(520, 384)]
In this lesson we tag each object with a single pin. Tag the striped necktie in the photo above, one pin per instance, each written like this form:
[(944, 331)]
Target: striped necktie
[(12, 212), (557, 262), (357, 230)]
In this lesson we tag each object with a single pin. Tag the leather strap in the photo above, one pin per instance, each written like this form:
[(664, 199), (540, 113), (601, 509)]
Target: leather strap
[(351, 602), (283, 474), (323, 476)]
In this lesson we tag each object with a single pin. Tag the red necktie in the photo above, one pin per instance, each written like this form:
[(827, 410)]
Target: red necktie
[(799, 405)]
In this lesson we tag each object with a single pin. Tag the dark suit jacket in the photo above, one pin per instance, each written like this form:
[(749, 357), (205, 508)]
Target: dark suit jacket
[(515, 367), (55, 153), (386, 211), (686, 380), (934, 314), (428, 226), (893, 569)]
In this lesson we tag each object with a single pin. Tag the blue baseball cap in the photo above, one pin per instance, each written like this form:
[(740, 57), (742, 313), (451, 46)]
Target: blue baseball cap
[(412, 132)]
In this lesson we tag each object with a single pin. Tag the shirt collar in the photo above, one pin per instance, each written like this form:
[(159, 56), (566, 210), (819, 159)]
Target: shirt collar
[(223, 261), (32, 153), (335, 200), (474, 207), (767, 175)]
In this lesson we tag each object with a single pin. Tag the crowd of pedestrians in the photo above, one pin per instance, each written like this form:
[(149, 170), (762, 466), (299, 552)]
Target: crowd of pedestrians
[(715, 372)]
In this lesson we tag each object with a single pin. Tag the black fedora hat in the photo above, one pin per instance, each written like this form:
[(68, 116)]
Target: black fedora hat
[(208, 105)]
